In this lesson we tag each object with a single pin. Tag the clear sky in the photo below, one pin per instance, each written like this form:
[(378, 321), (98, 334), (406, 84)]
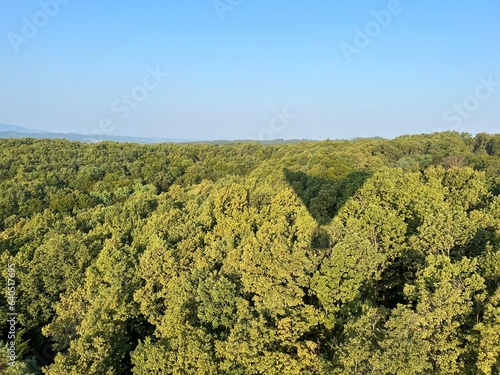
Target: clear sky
[(251, 69)]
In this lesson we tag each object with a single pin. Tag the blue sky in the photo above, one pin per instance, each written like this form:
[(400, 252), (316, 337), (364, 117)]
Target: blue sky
[(251, 69)]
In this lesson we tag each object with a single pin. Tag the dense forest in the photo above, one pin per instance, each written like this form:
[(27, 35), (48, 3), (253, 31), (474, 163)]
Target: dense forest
[(369, 256)]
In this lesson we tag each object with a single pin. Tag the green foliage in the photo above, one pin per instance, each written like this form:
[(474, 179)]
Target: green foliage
[(366, 257)]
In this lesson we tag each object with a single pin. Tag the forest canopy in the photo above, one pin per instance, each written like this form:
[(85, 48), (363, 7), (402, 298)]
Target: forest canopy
[(369, 256)]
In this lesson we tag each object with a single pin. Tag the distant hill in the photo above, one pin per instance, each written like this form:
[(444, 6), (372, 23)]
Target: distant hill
[(19, 129), (14, 131), (89, 138)]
